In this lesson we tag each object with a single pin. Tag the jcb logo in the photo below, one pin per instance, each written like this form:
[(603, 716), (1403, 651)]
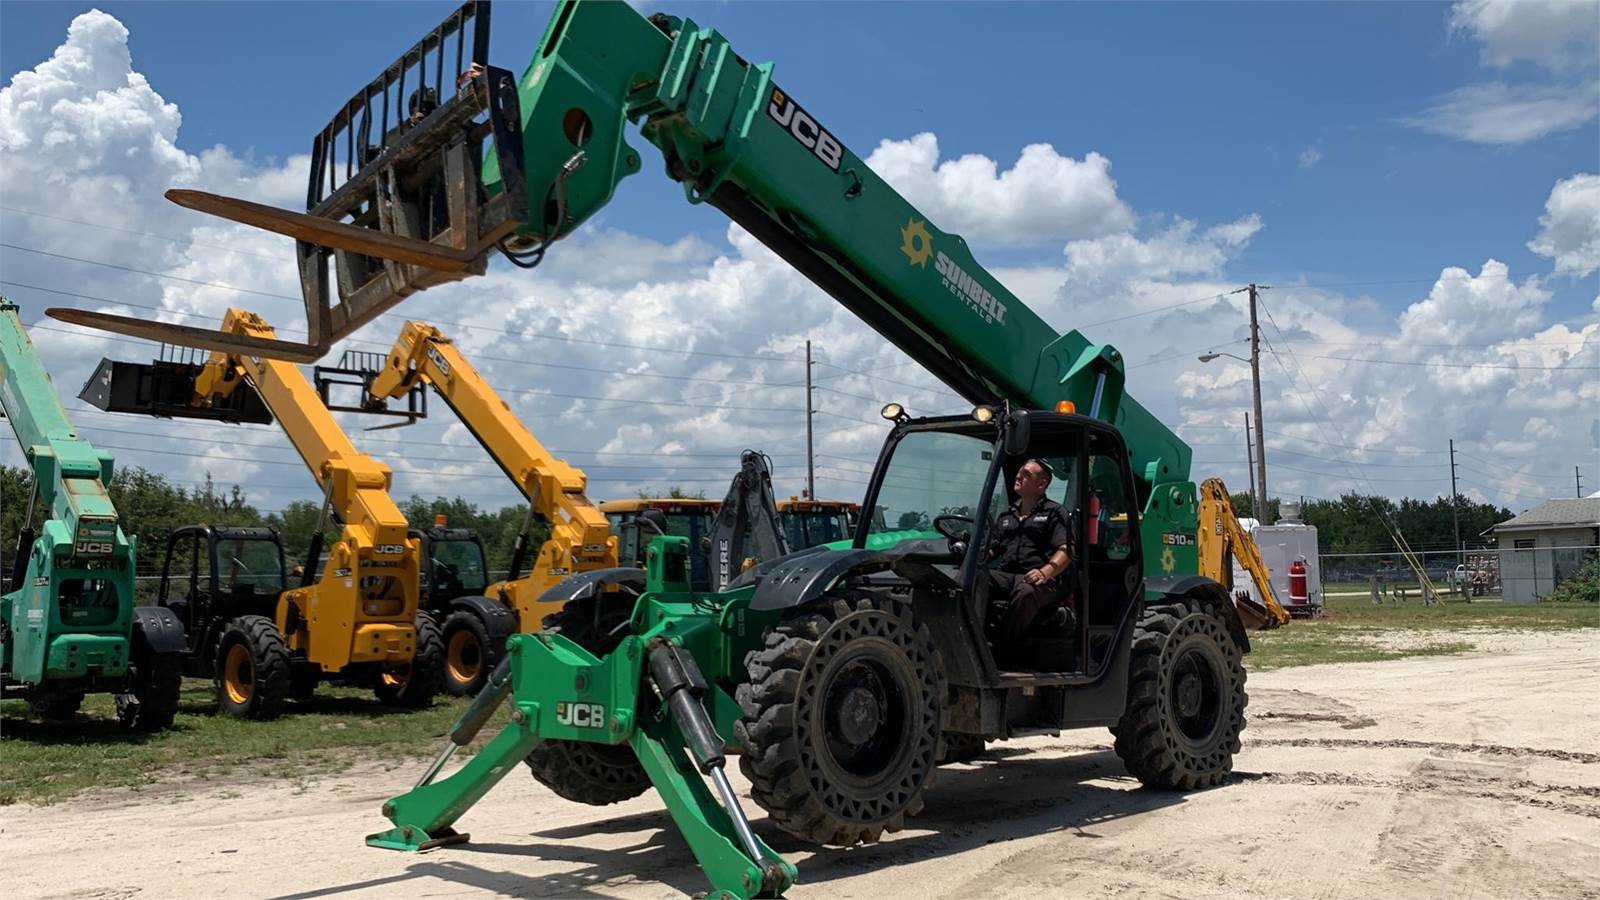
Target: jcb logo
[(438, 359), (92, 548), (389, 549), (805, 129), (581, 715)]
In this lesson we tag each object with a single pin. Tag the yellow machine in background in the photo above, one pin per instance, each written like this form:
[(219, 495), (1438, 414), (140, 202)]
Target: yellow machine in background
[(807, 523), (474, 629), (354, 616), (1224, 542)]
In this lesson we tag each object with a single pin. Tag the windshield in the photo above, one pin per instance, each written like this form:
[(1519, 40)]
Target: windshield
[(458, 567), (249, 563), (931, 473), (692, 525), (808, 529)]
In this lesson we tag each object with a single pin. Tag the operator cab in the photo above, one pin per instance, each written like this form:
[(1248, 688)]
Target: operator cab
[(690, 517), (942, 483), (453, 565), (212, 574)]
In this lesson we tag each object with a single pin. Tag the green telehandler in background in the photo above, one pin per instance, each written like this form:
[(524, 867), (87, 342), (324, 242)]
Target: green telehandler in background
[(68, 624)]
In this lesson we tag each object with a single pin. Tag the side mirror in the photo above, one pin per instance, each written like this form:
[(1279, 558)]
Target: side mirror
[(656, 519), (1019, 430)]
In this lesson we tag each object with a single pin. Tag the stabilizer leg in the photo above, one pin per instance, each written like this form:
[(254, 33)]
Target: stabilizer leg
[(705, 825), (423, 816)]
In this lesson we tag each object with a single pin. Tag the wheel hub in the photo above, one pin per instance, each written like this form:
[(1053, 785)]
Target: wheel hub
[(1188, 694), (858, 715), (462, 656)]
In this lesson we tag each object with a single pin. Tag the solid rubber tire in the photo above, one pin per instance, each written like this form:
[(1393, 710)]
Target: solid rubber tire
[(1148, 739), (785, 756), (580, 771)]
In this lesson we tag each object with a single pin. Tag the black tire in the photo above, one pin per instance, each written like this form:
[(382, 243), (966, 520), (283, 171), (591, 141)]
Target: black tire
[(961, 748), (253, 681), (416, 684), (156, 683), (842, 716), (469, 653), (1186, 697), (55, 706), (580, 771)]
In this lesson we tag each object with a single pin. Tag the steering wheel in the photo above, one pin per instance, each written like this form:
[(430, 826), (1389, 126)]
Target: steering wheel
[(941, 524)]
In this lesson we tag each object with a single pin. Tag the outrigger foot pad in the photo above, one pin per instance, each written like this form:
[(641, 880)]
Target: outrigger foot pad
[(415, 840)]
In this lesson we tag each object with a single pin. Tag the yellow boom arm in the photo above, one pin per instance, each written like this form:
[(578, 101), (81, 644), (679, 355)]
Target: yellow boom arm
[(580, 537), (363, 605), (1220, 533)]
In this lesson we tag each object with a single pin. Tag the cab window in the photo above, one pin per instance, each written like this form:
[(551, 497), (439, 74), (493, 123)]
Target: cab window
[(1108, 507)]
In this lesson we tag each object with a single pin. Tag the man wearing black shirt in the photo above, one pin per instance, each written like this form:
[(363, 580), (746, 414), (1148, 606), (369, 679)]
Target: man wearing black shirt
[(1032, 547)]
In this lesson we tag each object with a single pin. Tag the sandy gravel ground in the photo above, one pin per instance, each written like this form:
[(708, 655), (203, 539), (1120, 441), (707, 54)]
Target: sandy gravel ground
[(1463, 776)]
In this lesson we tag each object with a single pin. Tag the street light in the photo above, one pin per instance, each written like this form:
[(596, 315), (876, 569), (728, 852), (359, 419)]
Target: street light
[(1208, 357)]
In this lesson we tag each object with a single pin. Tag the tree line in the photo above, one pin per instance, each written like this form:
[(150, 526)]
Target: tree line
[(1356, 523), (151, 507)]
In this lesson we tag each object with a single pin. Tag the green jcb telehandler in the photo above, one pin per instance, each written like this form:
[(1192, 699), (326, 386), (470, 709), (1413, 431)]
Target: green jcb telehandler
[(68, 623), (840, 675)]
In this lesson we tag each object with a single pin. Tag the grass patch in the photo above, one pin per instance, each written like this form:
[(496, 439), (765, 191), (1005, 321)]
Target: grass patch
[(339, 727), (1354, 630)]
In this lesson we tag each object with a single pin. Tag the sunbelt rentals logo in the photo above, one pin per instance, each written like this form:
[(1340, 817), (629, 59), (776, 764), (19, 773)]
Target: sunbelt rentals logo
[(917, 244)]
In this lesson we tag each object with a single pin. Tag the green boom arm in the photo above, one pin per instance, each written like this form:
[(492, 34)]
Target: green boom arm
[(71, 476), (739, 142), (70, 611)]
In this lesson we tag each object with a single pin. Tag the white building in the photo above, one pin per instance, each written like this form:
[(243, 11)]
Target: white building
[(1545, 546)]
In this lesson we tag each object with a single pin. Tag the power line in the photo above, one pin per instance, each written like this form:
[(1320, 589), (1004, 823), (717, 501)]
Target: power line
[(163, 237), (1448, 365)]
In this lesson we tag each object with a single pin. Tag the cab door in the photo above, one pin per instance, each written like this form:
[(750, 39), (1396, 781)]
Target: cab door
[(1113, 563)]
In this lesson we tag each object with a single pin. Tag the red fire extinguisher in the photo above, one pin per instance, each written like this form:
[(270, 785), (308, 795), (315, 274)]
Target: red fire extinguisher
[(1297, 582)]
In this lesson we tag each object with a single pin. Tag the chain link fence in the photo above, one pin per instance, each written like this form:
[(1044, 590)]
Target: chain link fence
[(1517, 575)]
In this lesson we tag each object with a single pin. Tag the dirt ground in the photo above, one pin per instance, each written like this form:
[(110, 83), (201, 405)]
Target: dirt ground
[(1463, 776)]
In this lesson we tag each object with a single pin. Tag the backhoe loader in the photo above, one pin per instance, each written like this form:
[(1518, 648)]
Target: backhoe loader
[(68, 624), (837, 674), (351, 618)]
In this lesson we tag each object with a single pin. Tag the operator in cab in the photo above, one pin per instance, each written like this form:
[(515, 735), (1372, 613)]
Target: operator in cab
[(1032, 546)]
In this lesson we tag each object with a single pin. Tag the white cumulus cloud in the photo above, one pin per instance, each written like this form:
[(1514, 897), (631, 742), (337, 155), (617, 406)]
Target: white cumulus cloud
[(1043, 197), (1570, 227), (1555, 34), (1466, 309)]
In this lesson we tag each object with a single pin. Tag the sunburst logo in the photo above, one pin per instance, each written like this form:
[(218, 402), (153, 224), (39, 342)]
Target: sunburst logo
[(916, 243), (1169, 560)]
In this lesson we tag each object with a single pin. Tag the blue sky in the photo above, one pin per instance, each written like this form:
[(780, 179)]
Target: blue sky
[(1204, 108), (1370, 160)]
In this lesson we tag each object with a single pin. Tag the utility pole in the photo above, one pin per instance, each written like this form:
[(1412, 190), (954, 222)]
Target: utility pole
[(811, 461), (1255, 389), (1249, 469), (1455, 504), (1577, 478)]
